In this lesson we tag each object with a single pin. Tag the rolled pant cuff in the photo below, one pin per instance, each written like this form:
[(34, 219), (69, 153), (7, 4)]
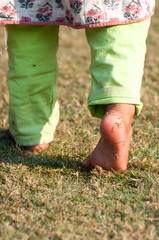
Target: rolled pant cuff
[(31, 141), (98, 99)]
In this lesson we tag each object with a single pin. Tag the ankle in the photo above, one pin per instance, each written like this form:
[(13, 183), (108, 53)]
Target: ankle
[(114, 127), (122, 112), (125, 110)]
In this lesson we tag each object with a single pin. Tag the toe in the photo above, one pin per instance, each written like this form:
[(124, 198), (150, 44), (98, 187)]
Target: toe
[(86, 163)]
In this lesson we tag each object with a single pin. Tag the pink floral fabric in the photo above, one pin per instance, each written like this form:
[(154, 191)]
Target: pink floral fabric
[(75, 13)]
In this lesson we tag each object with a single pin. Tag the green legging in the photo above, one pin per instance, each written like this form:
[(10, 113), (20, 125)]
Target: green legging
[(117, 60)]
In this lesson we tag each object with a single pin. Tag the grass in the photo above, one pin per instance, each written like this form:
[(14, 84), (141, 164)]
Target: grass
[(49, 196)]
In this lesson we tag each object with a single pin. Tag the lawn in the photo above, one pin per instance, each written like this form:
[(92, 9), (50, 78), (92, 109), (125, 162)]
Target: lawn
[(48, 195)]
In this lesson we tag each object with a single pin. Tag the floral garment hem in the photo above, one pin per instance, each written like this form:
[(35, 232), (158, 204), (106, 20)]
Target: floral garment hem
[(75, 13), (77, 26)]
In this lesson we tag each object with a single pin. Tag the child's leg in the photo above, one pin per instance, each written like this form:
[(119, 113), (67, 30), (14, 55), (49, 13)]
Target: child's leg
[(33, 107), (118, 54)]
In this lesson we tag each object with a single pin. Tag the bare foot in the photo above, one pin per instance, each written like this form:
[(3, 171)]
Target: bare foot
[(112, 150), (34, 148)]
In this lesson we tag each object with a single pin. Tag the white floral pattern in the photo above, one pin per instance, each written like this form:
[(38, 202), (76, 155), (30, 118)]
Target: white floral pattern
[(75, 13)]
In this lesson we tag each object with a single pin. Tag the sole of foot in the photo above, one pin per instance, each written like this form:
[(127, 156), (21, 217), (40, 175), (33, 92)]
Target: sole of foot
[(34, 148), (112, 150)]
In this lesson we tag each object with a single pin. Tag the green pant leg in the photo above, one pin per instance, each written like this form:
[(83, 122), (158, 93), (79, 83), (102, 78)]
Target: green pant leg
[(33, 107), (117, 61)]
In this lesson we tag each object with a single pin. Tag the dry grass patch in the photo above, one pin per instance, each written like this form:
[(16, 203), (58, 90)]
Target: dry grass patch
[(49, 196)]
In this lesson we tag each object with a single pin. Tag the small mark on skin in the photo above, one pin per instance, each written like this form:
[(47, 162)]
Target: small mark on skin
[(119, 122), (119, 142)]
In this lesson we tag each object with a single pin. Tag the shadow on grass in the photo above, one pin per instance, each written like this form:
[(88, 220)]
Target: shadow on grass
[(55, 158), (49, 159)]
